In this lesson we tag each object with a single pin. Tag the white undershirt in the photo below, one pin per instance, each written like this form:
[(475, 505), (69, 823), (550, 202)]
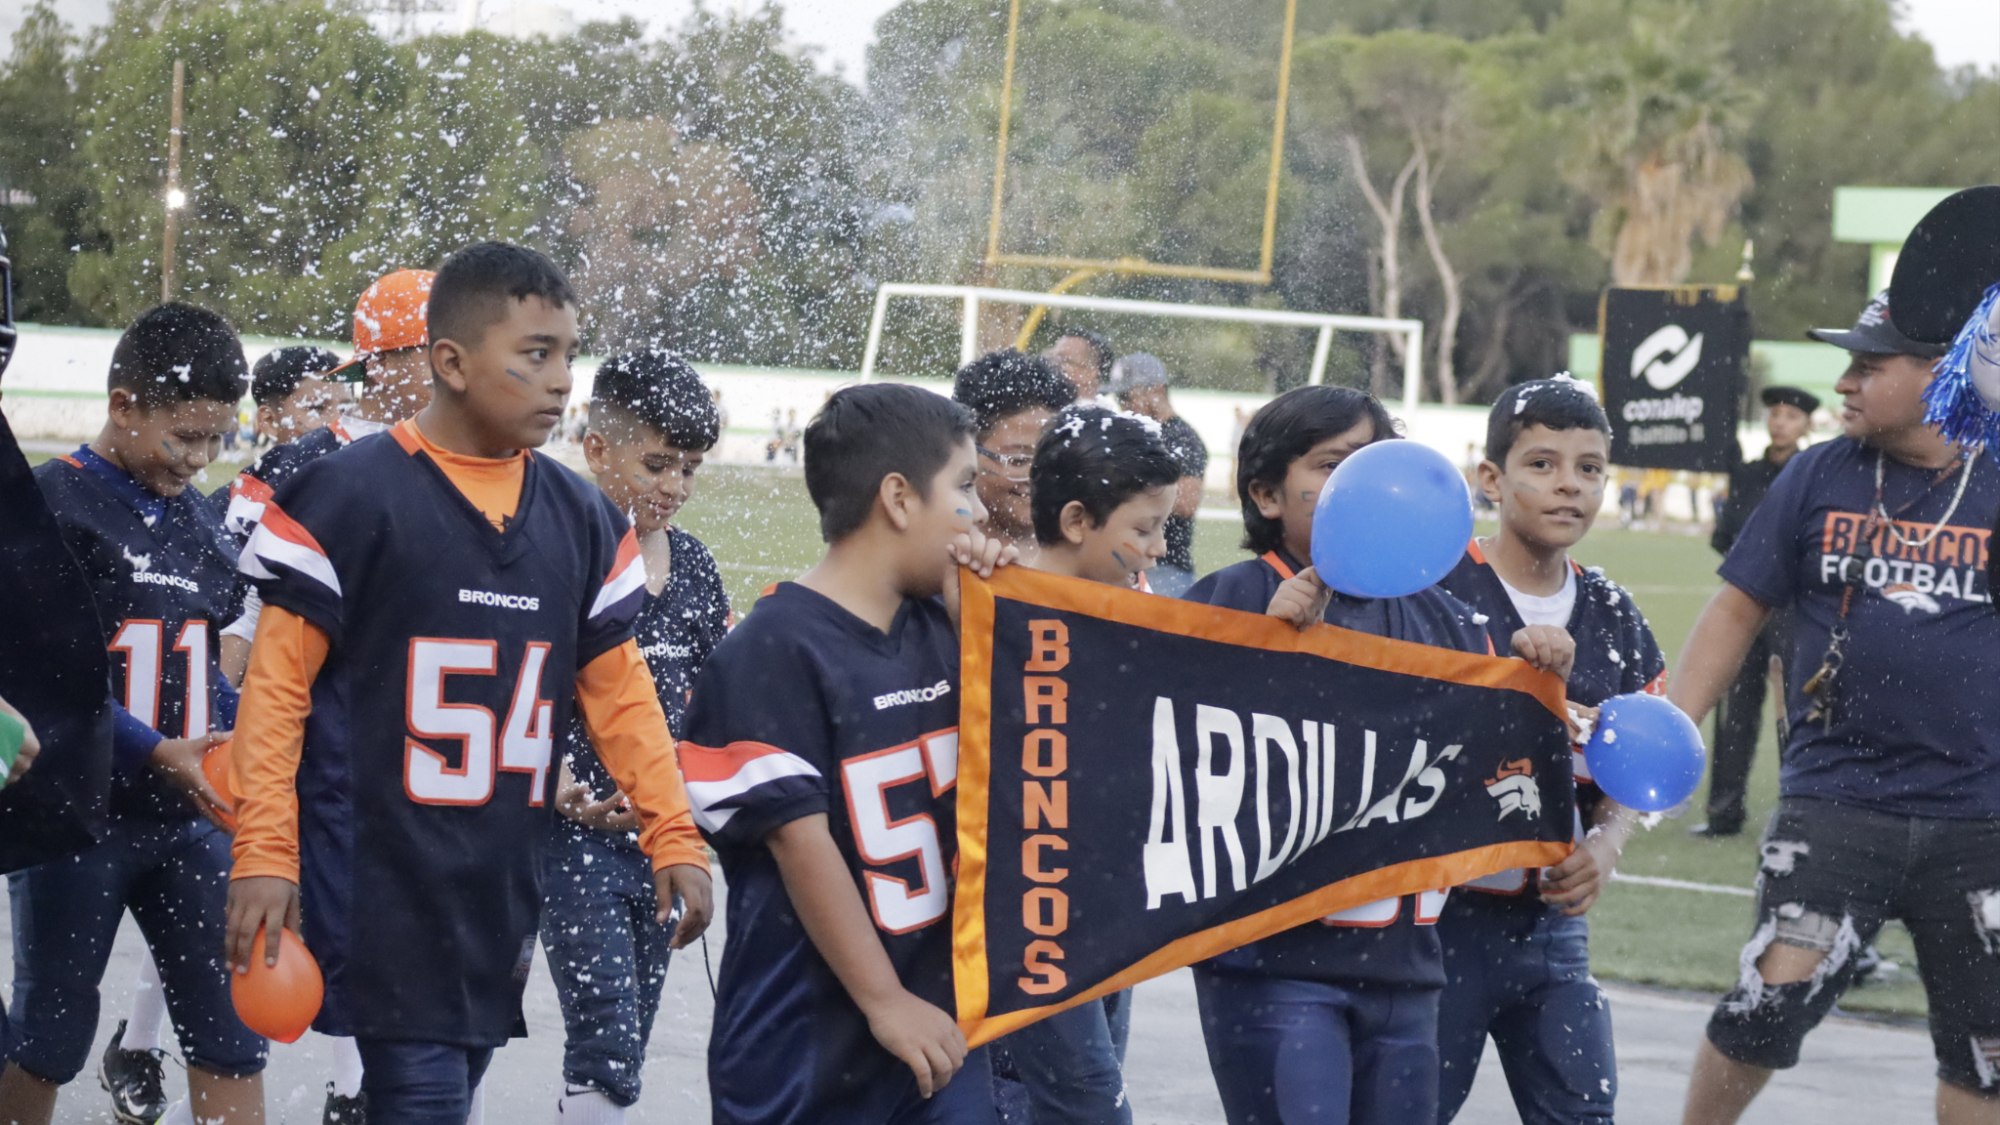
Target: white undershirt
[(1553, 610)]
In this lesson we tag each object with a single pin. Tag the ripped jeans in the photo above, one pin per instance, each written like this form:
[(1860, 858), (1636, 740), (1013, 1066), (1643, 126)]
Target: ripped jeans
[(1831, 875)]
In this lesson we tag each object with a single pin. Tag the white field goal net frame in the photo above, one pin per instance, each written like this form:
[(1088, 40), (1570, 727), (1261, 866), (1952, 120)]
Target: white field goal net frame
[(971, 297)]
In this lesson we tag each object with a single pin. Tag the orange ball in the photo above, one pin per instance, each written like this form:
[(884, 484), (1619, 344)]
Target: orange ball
[(216, 767), (279, 1001)]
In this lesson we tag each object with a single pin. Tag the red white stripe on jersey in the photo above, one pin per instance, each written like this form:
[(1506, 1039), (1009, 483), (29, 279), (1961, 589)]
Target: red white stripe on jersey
[(280, 540), (247, 498), (716, 776), (627, 577)]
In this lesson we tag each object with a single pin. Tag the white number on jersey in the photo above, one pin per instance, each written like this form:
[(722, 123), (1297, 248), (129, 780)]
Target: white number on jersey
[(898, 907)]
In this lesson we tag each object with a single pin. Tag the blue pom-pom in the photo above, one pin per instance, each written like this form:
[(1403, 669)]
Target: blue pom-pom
[(1954, 404)]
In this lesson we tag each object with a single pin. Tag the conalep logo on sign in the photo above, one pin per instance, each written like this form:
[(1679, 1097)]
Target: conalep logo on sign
[(1673, 375)]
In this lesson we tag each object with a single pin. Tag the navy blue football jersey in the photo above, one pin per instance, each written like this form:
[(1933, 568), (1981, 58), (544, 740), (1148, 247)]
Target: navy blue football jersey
[(805, 708), (677, 629), (1393, 941), (425, 778), (1615, 655), (242, 503), (164, 578)]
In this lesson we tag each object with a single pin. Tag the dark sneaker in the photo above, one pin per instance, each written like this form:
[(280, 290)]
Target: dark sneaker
[(136, 1081), (343, 1110), (1715, 830)]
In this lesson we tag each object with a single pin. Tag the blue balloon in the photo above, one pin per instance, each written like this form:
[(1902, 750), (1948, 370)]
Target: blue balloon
[(1645, 753), (1393, 519)]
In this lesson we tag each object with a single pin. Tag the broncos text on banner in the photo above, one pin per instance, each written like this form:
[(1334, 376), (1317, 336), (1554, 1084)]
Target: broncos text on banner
[(1146, 782)]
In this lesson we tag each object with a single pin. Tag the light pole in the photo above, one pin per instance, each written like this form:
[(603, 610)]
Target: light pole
[(176, 198)]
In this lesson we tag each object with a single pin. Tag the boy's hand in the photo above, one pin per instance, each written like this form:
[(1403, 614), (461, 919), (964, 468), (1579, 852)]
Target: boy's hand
[(613, 814), (921, 1034), (259, 900), (1301, 601), (179, 761), (982, 553), (1546, 649), (697, 895), (1575, 883), (30, 745)]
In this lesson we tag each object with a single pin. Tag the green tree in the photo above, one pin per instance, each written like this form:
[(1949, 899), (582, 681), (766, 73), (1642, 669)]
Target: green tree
[(44, 197)]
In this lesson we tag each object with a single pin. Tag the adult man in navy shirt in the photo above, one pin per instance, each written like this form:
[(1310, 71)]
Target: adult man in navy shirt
[(1890, 792)]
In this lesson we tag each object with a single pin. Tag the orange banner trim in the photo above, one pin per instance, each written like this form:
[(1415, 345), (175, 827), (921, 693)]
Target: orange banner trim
[(1191, 619)]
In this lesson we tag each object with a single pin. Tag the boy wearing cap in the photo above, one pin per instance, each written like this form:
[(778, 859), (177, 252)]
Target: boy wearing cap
[(1889, 795), (1788, 415), (1140, 382)]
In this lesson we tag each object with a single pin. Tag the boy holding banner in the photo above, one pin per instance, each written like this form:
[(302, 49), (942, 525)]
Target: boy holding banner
[(1335, 1020), (822, 758), (1516, 947), (1102, 489)]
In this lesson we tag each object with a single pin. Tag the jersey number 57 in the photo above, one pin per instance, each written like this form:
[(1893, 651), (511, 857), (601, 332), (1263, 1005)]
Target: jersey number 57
[(523, 742)]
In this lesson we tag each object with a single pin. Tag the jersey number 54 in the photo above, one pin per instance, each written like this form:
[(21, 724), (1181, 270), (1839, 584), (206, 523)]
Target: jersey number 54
[(523, 743)]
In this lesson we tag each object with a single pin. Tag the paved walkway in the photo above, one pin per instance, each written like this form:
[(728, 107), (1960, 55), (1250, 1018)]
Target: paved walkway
[(1851, 1071)]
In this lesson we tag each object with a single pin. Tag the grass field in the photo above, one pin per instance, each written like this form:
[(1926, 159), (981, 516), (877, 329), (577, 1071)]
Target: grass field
[(761, 526)]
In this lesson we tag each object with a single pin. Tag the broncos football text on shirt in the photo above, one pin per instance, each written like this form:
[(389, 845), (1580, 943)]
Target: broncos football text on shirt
[(1916, 728), (424, 776), (1386, 942), (785, 724)]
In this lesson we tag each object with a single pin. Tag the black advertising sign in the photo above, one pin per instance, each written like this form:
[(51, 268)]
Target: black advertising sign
[(1673, 373), (1145, 782)]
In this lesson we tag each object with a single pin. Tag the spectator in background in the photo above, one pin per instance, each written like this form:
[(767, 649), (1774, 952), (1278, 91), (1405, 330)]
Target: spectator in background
[(1085, 359), (1788, 419), (1140, 382), (292, 394)]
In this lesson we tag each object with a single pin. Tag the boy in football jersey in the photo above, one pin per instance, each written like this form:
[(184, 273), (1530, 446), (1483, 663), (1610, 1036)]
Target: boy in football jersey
[(822, 759), (1335, 1020), (392, 368), (438, 602), (1013, 397), (1516, 946), (1103, 487), (163, 574), (291, 392), (651, 421)]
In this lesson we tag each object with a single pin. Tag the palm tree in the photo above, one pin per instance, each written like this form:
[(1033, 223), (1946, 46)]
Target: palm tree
[(1658, 124)]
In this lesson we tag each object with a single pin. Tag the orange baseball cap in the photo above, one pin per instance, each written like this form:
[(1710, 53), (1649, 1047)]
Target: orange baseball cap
[(390, 315)]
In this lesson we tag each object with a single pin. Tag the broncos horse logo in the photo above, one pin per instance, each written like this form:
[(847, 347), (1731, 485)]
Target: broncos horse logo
[(1516, 790), (1911, 598)]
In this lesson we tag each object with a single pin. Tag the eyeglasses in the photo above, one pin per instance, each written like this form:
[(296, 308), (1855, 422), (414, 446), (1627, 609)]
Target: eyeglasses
[(1015, 464)]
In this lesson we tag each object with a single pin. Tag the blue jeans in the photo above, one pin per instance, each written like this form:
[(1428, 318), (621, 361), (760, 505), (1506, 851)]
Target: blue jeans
[(410, 1083), (1065, 1069), (607, 955), (1301, 1052), (174, 877), (1524, 978)]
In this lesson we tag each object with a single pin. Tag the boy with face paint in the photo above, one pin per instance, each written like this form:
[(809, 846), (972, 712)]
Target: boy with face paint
[(651, 423), (163, 576), (1103, 489), (1516, 947)]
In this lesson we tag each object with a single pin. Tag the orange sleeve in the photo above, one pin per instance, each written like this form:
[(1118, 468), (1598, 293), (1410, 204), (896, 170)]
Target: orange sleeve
[(621, 710), (285, 659)]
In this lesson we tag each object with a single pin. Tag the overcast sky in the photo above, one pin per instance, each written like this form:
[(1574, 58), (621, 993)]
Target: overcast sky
[(1961, 31)]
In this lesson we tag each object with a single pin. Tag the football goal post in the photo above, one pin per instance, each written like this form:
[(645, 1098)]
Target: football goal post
[(970, 297)]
